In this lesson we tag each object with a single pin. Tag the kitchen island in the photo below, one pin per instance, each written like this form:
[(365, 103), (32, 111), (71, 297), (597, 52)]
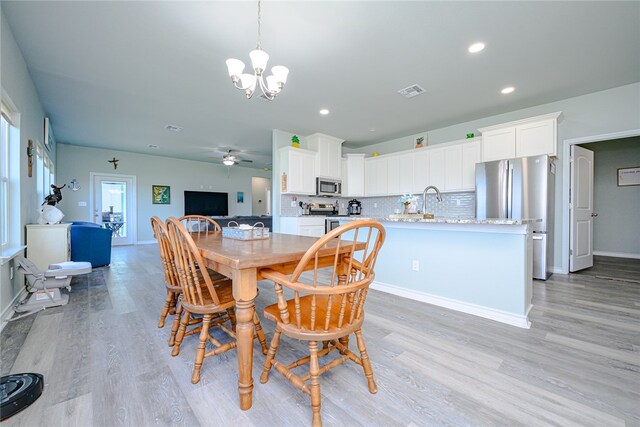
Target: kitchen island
[(480, 267)]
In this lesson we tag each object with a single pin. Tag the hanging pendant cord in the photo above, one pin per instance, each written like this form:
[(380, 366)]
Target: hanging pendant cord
[(259, 46)]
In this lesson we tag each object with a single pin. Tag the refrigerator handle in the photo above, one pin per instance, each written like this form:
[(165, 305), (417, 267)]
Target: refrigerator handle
[(504, 188), (510, 191)]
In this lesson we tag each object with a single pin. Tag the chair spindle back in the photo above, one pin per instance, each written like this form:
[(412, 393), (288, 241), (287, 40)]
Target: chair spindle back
[(336, 301), (194, 280), (199, 224), (166, 253)]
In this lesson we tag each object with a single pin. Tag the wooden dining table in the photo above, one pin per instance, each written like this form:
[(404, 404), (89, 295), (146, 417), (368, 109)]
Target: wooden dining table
[(242, 261)]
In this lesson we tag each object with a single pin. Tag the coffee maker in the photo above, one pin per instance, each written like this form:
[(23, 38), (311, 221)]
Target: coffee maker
[(355, 207)]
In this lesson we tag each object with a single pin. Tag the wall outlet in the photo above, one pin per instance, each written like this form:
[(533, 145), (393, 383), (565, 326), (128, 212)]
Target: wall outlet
[(415, 265), (82, 204), (375, 205), (458, 202), (293, 204)]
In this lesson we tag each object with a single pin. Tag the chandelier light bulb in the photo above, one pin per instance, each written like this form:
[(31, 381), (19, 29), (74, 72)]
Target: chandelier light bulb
[(259, 60), (235, 67), (280, 73)]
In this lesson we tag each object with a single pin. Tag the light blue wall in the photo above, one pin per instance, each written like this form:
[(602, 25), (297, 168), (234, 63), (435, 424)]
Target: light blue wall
[(77, 162), (616, 229), (17, 85), (457, 265)]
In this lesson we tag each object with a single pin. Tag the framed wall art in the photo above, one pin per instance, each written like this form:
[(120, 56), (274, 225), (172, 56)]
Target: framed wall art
[(161, 194), (628, 176), (48, 134)]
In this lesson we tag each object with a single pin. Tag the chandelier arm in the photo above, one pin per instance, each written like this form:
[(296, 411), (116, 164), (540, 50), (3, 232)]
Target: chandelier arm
[(265, 91)]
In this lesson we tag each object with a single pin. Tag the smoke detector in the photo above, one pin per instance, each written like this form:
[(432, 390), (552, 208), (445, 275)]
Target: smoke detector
[(411, 91), (173, 128)]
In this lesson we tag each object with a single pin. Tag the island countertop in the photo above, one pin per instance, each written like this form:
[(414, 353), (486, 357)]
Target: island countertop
[(493, 225)]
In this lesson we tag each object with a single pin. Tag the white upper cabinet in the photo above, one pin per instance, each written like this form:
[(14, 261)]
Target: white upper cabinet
[(499, 144), (300, 167), (375, 176), (393, 174), (353, 175), (522, 138), (471, 155), (329, 158), (453, 168), (536, 138), (405, 172), (436, 167), (420, 170)]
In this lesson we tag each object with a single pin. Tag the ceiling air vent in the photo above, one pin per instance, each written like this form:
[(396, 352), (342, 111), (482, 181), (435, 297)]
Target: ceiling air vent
[(411, 91), (173, 128)]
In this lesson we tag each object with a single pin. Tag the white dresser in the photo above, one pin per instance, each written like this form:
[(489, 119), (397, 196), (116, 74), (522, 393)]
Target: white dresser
[(48, 244)]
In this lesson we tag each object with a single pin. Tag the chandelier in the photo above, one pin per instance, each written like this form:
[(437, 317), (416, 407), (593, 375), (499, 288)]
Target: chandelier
[(248, 82)]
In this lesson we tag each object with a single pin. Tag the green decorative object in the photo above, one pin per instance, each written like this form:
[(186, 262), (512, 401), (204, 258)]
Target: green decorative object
[(295, 141)]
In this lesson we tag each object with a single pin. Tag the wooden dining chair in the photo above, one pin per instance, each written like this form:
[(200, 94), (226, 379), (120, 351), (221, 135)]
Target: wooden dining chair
[(199, 224), (171, 281), (327, 306), (201, 296)]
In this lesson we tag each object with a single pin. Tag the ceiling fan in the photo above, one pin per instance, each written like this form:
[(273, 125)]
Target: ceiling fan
[(231, 159)]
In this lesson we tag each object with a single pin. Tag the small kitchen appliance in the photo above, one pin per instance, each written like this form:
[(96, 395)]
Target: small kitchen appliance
[(326, 187), (355, 207)]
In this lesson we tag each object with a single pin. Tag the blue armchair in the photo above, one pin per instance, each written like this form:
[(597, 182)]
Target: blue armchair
[(91, 243)]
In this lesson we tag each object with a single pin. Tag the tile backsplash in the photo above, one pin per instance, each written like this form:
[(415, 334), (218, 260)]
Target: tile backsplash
[(460, 205)]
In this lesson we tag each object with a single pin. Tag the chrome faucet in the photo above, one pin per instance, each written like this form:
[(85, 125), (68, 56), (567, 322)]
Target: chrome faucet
[(424, 197)]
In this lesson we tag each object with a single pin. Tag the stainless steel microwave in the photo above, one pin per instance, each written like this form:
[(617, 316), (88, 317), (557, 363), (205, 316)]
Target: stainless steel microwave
[(327, 187)]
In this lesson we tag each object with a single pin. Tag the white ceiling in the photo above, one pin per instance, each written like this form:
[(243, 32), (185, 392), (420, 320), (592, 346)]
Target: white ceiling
[(114, 74)]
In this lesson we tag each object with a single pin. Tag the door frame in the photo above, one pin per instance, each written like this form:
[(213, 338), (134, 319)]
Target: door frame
[(134, 201), (566, 182)]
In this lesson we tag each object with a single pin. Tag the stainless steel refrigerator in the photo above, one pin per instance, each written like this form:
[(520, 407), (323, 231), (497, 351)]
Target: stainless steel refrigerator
[(521, 189)]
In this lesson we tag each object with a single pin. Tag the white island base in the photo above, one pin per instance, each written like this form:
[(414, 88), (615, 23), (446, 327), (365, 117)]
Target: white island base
[(480, 267)]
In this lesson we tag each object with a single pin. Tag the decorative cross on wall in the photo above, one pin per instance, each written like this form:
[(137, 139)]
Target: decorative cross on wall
[(115, 162)]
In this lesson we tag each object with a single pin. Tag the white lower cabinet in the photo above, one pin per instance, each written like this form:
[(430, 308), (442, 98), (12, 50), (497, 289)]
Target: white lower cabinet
[(312, 226), (48, 244)]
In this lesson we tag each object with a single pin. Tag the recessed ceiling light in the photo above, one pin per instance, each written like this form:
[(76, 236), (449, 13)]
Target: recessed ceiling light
[(154, 146), (476, 47), (173, 128), (324, 111), (372, 129), (507, 90)]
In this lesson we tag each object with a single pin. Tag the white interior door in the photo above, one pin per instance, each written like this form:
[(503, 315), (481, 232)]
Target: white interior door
[(581, 209), (113, 202)]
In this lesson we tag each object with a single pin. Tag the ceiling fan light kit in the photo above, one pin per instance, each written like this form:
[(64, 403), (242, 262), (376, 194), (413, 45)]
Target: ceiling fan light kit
[(248, 82)]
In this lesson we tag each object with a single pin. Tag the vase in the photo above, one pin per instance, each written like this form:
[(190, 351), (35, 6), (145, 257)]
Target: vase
[(405, 209)]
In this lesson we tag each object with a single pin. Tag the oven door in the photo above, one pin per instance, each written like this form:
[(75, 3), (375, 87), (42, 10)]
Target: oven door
[(330, 224)]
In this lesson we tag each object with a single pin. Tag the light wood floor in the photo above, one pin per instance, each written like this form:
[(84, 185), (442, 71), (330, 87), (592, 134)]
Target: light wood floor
[(106, 364)]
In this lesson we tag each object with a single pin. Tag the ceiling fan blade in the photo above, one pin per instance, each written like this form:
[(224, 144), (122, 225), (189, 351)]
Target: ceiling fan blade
[(246, 160)]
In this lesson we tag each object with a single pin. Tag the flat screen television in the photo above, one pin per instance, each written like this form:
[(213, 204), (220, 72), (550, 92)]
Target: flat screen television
[(206, 203)]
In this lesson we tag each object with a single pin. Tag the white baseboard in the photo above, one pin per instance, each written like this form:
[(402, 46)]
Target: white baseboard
[(147, 242), (8, 311), (465, 307), (617, 254)]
